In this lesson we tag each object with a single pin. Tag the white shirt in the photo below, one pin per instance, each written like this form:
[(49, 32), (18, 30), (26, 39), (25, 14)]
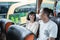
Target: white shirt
[(33, 27), (38, 17), (47, 30)]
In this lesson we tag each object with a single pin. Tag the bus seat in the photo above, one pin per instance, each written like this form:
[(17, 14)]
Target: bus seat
[(1, 30), (29, 37), (5, 24), (16, 32), (57, 21)]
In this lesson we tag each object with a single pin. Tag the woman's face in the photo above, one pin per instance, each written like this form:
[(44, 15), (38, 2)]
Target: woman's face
[(31, 17)]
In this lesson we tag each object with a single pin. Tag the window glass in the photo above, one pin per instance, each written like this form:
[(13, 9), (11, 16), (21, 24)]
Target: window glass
[(20, 13)]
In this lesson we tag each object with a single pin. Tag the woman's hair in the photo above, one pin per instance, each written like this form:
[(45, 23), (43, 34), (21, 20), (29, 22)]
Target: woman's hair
[(31, 13)]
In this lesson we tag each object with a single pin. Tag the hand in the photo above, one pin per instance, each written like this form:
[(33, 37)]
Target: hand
[(51, 38)]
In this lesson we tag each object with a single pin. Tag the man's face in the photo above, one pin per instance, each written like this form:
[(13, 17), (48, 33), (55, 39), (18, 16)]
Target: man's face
[(43, 15)]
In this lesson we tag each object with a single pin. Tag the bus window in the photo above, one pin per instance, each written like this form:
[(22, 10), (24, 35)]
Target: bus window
[(47, 4), (4, 7), (20, 13), (58, 7)]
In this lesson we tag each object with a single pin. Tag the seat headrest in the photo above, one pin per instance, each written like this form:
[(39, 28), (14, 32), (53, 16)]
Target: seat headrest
[(56, 20), (5, 20), (17, 31)]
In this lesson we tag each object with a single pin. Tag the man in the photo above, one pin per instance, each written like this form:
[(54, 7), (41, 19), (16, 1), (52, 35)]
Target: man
[(48, 29)]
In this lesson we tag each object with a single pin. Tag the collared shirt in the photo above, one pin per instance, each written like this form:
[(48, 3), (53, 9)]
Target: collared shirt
[(33, 27)]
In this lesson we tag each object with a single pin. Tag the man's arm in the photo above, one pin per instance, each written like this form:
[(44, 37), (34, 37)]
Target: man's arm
[(51, 38), (53, 32)]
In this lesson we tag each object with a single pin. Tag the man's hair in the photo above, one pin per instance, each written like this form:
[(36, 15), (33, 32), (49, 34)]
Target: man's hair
[(47, 11), (30, 13), (51, 12)]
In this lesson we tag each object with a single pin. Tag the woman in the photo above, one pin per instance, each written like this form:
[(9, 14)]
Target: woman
[(31, 24)]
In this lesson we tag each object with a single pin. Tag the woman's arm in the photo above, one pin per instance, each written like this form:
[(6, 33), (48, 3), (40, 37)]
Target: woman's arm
[(35, 28)]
